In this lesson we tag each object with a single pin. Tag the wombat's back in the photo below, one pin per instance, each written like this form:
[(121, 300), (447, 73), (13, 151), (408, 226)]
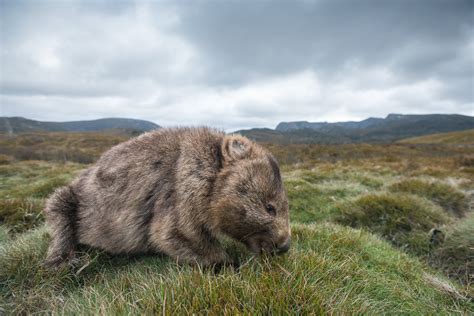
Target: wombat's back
[(130, 185)]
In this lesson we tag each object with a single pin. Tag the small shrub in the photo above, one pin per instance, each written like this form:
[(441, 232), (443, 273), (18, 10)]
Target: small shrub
[(451, 199), (401, 219)]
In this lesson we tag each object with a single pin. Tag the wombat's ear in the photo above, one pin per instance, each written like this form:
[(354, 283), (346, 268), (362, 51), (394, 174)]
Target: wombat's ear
[(236, 147)]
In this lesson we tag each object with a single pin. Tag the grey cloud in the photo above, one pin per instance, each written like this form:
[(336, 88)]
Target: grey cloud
[(268, 38), (216, 62)]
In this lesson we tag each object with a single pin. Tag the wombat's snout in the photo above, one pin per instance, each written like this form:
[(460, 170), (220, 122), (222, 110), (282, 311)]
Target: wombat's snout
[(285, 246)]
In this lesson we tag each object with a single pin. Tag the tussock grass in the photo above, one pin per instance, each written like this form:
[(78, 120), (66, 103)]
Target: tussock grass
[(403, 220), (330, 269), (20, 215), (448, 197), (23, 188), (308, 203), (34, 179), (456, 255)]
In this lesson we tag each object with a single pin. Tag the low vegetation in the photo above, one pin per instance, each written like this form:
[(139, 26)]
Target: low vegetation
[(361, 220), (456, 255), (403, 220), (454, 138), (331, 269), (452, 200), (76, 147)]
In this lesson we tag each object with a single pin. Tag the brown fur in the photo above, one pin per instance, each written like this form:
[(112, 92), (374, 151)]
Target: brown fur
[(173, 191)]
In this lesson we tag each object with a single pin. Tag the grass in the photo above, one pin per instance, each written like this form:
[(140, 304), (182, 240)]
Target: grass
[(453, 138), (23, 187), (361, 216), (331, 269), (403, 220), (83, 147), (456, 255), (448, 197), (19, 215)]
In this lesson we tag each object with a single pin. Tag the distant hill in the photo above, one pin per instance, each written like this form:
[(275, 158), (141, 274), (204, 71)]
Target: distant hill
[(372, 130), (20, 125), (454, 138), (287, 126)]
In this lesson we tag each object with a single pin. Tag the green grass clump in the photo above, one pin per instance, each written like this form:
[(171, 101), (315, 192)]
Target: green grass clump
[(34, 179), (3, 233), (330, 269), (403, 220), (456, 255), (24, 185), (20, 215), (448, 197), (308, 203)]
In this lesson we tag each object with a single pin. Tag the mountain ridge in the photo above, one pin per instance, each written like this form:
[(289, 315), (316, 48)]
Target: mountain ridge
[(18, 124), (393, 127)]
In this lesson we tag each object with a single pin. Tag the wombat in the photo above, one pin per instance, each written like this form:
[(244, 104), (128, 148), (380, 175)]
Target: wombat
[(173, 192)]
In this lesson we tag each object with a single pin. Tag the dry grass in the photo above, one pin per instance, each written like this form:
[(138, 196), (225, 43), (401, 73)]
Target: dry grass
[(453, 138)]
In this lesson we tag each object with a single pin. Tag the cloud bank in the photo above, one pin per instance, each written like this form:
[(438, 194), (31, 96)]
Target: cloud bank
[(235, 64)]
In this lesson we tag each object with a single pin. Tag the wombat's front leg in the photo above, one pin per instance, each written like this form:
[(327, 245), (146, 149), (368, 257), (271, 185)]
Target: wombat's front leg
[(206, 254), (189, 247)]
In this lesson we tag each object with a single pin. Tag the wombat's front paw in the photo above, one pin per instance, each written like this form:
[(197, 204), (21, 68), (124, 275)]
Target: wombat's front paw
[(54, 262), (233, 264)]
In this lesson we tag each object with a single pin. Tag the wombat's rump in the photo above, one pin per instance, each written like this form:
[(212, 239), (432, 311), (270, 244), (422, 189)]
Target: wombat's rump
[(173, 191)]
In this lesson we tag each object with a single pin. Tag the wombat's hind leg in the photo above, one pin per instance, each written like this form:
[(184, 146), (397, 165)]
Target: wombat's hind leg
[(60, 211)]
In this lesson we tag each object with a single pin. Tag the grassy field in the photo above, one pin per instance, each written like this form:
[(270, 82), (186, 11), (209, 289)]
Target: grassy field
[(461, 138), (361, 220)]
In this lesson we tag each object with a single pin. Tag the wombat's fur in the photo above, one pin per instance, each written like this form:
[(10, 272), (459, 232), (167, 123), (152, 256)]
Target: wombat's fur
[(173, 191)]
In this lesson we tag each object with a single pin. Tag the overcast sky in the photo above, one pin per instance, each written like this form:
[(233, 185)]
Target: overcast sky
[(235, 64)]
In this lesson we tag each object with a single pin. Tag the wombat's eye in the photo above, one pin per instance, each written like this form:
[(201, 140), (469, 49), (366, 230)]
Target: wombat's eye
[(270, 209)]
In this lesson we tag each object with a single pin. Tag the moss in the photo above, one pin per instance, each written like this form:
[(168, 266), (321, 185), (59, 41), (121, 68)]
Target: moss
[(401, 219), (448, 197)]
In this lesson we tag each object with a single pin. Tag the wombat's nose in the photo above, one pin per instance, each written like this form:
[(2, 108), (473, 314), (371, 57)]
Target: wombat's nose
[(284, 247)]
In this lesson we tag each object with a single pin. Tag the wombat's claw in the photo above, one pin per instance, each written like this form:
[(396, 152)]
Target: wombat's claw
[(52, 263), (74, 262), (217, 267), (58, 261)]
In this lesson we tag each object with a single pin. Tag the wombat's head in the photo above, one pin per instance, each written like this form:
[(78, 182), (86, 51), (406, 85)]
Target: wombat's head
[(250, 204)]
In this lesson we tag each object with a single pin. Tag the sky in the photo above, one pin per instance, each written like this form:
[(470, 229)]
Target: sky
[(235, 64)]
